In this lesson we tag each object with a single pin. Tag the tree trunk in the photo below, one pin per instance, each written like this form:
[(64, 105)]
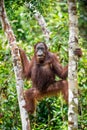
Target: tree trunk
[(72, 69), (41, 21), (17, 65)]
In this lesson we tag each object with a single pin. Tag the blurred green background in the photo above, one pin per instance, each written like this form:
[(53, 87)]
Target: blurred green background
[(51, 113)]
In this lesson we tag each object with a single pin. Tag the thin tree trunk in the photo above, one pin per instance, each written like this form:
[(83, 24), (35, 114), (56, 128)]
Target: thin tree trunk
[(72, 70), (17, 65), (40, 20)]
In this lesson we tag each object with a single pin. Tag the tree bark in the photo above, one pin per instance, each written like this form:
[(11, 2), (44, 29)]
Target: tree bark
[(72, 69), (41, 21), (17, 65)]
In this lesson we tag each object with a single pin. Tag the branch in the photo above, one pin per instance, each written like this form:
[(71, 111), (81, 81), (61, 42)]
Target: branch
[(17, 65), (72, 70), (40, 20)]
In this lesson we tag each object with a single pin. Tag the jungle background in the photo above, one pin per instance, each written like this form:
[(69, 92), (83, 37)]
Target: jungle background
[(51, 113)]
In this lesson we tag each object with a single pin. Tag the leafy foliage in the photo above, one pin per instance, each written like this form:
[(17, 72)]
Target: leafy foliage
[(51, 112)]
